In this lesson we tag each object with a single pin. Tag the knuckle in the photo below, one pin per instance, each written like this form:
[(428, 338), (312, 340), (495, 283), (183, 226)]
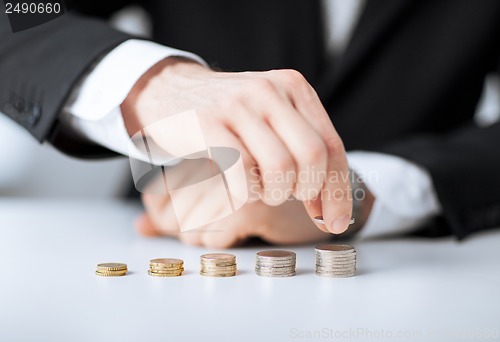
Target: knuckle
[(281, 164), (294, 79), (335, 144), (259, 85), (316, 153)]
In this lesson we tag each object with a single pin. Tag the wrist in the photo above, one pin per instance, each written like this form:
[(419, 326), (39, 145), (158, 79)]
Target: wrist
[(152, 86)]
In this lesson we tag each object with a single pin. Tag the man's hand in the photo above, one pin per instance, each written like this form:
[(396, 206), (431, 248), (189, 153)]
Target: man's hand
[(287, 223), (275, 119)]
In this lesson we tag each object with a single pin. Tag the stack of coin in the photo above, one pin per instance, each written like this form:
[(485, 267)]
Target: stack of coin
[(111, 269), (275, 263), (338, 261), (166, 267), (218, 265)]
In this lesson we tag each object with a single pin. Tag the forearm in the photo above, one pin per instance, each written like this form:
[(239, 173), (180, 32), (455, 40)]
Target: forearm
[(40, 67)]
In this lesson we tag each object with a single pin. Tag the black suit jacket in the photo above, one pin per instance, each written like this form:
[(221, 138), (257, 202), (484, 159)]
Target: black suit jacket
[(408, 83)]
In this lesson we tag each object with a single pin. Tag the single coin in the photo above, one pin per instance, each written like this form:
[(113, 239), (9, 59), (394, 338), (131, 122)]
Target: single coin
[(219, 264), (262, 274), (112, 266), (335, 260), (335, 249), (218, 268), (218, 271), (217, 275), (332, 256), (334, 275), (319, 219), (166, 271), (175, 267), (166, 262), (111, 274), (158, 274), (268, 266), (276, 255), (261, 271), (335, 270), (335, 267), (218, 258)]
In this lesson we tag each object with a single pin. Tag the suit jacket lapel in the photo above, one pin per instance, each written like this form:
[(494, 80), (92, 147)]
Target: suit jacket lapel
[(377, 19)]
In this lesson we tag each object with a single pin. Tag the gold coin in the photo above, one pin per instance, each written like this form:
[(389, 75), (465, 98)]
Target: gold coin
[(112, 266), (218, 258), (156, 274), (111, 274), (166, 262), (216, 275), (166, 272), (176, 267), (218, 268)]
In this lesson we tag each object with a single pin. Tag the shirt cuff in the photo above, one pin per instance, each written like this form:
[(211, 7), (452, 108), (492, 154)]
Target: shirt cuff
[(93, 109), (404, 194)]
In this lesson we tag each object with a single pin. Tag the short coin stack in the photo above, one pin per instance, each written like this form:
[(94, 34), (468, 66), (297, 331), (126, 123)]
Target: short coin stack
[(218, 265), (111, 269), (337, 261), (166, 267), (275, 263)]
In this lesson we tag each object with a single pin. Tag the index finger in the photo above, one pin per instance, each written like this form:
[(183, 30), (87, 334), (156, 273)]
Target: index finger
[(335, 203)]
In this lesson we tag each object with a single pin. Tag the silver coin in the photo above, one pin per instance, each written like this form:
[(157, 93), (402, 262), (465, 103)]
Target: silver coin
[(337, 249), (275, 275), (278, 254), (337, 270), (218, 275), (336, 275), (352, 264), (275, 264), (332, 264), (337, 254), (336, 258), (275, 261), (218, 268), (320, 220), (275, 270)]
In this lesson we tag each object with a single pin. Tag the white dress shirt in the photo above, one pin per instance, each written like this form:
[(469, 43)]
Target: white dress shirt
[(405, 196)]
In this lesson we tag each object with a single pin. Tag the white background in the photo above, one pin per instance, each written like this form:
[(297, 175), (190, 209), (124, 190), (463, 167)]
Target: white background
[(49, 292)]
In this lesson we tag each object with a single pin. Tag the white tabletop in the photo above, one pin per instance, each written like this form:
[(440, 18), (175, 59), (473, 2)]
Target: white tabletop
[(427, 290)]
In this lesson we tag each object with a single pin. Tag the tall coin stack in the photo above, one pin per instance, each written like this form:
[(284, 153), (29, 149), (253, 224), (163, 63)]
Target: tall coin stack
[(337, 261), (275, 263), (166, 267), (218, 265), (111, 269)]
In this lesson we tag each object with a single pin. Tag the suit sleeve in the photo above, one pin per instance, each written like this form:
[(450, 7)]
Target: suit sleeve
[(40, 66), (465, 170)]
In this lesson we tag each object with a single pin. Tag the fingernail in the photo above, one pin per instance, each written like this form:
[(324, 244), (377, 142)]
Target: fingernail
[(341, 224)]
